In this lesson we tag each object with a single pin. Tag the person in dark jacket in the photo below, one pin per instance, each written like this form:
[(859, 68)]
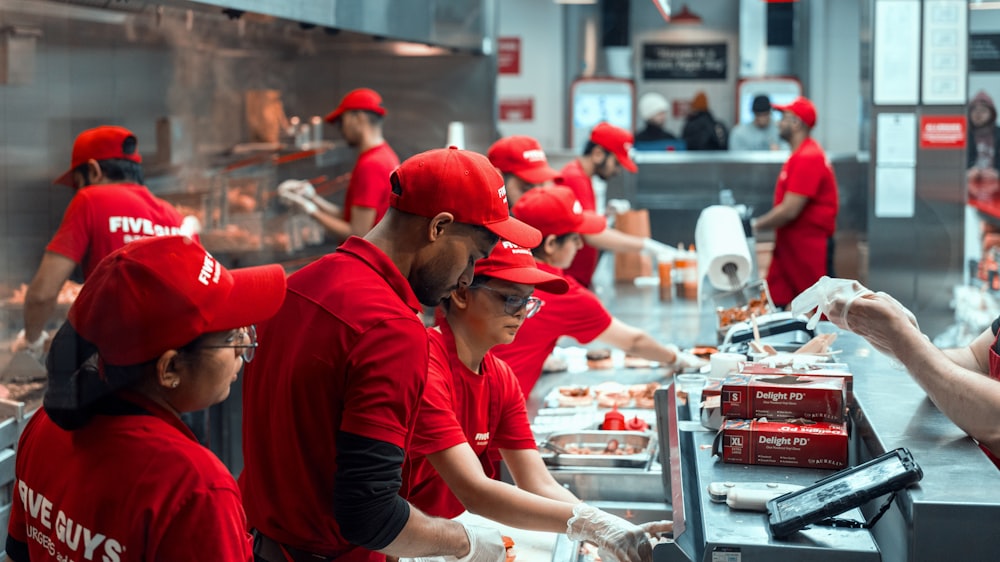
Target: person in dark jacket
[(701, 130)]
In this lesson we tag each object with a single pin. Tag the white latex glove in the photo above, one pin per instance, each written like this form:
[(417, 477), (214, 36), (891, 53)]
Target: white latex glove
[(655, 528), (619, 206), (658, 249), (622, 540), (685, 360), (297, 187), (190, 226), (34, 348), (486, 545), (295, 200)]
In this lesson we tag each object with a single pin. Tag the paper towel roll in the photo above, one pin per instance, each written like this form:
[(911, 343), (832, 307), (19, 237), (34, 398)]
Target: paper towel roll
[(720, 241)]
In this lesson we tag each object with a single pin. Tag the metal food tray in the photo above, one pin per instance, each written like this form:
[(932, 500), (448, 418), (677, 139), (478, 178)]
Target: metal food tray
[(597, 441)]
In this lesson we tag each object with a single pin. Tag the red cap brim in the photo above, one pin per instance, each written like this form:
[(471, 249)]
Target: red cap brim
[(627, 162), (517, 232), (256, 296), (541, 280), (539, 175), (334, 115), (592, 223), (65, 179)]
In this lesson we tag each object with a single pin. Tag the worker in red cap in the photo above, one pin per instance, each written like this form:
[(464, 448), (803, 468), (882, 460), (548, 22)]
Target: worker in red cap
[(106, 470), (804, 215), (329, 407), (559, 216), (523, 164), (359, 118), (473, 406), (606, 153), (110, 208)]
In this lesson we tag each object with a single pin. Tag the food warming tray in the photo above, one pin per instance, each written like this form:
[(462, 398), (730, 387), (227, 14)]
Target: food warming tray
[(595, 442)]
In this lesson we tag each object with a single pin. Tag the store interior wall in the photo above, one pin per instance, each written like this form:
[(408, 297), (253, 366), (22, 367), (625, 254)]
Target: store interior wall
[(132, 70)]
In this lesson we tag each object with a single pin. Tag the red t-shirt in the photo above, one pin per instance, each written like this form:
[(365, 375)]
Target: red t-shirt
[(585, 262), (369, 185), (346, 352), (102, 218), (130, 485), (800, 246), (485, 409), (578, 314)]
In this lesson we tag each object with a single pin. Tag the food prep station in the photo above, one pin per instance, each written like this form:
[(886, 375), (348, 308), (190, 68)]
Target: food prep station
[(944, 516)]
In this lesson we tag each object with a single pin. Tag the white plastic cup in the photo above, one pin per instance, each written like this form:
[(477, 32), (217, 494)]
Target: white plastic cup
[(690, 384), (456, 135), (725, 364)]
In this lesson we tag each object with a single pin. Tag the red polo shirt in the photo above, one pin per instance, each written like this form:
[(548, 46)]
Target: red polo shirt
[(369, 185), (102, 218), (585, 262), (485, 409), (578, 314), (133, 484), (800, 246), (346, 352)]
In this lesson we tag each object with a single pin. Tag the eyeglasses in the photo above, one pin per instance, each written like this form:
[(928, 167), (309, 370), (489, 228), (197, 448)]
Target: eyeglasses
[(247, 334), (513, 304)]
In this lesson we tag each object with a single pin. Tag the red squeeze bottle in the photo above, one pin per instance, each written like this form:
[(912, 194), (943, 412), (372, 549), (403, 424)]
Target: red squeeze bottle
[(613, 420)]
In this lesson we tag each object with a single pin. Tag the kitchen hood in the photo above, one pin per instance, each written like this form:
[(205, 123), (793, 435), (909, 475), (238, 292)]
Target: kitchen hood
[(461, 24)]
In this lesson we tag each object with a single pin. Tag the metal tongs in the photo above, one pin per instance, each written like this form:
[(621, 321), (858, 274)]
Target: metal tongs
[(554, 448)]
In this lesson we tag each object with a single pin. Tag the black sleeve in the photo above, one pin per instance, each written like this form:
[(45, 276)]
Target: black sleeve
[(17, 550), (996, 325), (366, 499)]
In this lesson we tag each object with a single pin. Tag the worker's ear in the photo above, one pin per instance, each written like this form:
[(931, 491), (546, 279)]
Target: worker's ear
[(439, 224), (460, 298), (550, 244), (94, 172)]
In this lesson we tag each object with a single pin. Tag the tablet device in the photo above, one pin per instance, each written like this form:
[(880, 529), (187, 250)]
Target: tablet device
[(839, 492)]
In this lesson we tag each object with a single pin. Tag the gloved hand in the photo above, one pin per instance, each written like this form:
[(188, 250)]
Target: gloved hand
[(685, 360), (835, 297), (296, 200), (485, 545), (297, 187), (34, 348), (619, 206), (655, 528), (624, 541), (658, 249)]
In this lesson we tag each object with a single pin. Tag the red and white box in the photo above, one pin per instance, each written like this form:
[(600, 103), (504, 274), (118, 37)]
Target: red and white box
[(784, 396), (809, 445), (838, 370)]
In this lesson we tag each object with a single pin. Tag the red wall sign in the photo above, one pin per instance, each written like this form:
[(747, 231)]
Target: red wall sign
[(942, 131), (517, 109), (509, 55)]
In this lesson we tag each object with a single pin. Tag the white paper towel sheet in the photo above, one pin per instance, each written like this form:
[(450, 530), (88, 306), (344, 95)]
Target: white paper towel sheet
[(720, 240)]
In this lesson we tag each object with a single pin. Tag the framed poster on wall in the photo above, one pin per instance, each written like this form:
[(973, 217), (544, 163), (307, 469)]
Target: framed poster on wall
[(683, 61)]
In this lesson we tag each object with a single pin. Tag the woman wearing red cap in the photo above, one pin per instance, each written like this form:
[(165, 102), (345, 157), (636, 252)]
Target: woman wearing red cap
[(473, 404), (106, 470), (578, 313)]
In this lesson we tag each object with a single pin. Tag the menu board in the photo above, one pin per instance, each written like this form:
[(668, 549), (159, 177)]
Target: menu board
[(668, 61)]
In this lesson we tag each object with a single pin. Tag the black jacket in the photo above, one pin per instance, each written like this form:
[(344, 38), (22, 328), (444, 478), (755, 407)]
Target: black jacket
[(703, 132)]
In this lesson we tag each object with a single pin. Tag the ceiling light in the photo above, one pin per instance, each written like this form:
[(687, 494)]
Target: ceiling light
[(685, 16)]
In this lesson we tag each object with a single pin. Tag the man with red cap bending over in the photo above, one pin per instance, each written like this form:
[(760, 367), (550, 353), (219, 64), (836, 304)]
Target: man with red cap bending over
[(329, 405), (607, 149), (110, 208), (359, 118), (804, 215)]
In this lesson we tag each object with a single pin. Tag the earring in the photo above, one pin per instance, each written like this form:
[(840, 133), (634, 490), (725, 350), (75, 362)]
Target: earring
[(174, 384)]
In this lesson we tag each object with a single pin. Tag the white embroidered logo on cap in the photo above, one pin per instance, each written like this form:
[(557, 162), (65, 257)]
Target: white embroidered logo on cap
[(533, 155), (210, 271), (502, 193), (577, 208)]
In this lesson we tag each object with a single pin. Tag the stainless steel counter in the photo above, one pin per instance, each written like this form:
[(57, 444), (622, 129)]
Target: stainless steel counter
[(949, 515)]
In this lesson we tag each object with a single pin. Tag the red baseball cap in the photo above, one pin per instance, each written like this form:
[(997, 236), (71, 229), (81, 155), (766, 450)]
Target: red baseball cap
[(462, 183), (616, 140), (162, 293), (556, 210), (101, 143), (803, 109), (522, 156), (362, 99), (510, 262)]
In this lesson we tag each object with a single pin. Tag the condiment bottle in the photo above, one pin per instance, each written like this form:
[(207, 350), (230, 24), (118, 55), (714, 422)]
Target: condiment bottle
[(613, 420), (680, 269), (665, 266), (691, 274)]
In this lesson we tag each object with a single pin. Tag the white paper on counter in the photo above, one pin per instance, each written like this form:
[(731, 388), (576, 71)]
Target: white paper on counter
[(896, 139), (897, 52), (895, 192)]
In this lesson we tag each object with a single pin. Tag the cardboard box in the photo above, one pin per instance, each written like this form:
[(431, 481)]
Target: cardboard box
[(783, 396), (839, 370), (811, 445)]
